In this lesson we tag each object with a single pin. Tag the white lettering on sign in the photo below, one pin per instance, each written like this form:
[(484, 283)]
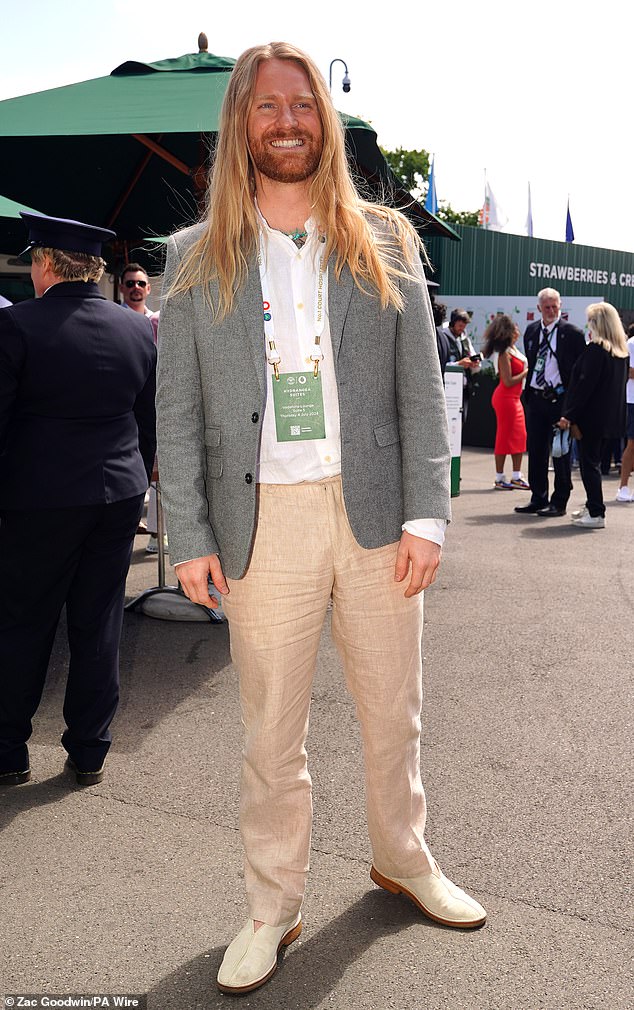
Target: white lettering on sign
[(579, 275)]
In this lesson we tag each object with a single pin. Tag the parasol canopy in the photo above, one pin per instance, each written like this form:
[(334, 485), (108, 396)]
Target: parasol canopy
[(130, 151)]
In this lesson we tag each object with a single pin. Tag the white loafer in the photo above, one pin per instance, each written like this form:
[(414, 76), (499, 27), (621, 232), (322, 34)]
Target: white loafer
[(251, 958), (437, 897)]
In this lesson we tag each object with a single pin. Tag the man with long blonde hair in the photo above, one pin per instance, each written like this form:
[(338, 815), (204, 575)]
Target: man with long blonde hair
[(305, 457)]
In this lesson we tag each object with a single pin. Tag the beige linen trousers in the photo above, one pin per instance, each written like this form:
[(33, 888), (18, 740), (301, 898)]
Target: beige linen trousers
[(304, 553)]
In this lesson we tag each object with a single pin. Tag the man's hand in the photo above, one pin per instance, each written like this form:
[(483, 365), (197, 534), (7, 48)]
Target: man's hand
[(193, 576), (424, 556)]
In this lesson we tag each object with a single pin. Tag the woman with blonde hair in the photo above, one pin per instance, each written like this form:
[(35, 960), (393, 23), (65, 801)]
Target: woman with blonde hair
[(594, 405)]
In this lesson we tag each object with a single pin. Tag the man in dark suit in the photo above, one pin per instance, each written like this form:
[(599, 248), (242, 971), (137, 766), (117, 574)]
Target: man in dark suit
[(551, 346), (77, 443), (443, 341)]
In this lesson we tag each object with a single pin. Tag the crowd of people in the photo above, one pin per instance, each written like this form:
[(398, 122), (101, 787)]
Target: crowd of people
[(567, 395), (277, 422)]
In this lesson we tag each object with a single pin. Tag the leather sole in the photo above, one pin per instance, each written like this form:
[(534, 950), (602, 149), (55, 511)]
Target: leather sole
[(286, 941), (394, 888), (84, 778), (15, 778)]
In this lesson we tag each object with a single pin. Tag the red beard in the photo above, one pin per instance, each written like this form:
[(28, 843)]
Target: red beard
[(286, 165)]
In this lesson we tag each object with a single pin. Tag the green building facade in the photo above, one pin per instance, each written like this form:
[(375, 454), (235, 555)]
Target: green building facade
[(495, 263)]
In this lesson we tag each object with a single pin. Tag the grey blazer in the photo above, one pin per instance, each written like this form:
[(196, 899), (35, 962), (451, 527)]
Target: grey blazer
[(211, 397)]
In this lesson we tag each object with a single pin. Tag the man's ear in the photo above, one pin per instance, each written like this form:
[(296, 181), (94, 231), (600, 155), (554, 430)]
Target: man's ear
[(46, 264)]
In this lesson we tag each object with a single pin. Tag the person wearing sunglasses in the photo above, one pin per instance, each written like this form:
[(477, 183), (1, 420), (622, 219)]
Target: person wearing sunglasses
[(135, 287)]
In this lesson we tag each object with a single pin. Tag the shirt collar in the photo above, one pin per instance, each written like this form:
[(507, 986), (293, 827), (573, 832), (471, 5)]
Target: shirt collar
[(309, 226), (549, 329)]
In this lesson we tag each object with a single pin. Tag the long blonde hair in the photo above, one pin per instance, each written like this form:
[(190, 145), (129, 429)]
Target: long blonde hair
[(231, 226), (607, 329)]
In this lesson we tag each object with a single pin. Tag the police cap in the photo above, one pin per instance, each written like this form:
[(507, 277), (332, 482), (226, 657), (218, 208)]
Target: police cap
[(60, 233)]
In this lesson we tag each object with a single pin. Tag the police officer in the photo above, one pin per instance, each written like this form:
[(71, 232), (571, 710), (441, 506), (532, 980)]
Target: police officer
[(77, 442)]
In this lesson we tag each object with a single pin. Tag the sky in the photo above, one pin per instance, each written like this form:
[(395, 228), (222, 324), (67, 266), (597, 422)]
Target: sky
[(533, 93)]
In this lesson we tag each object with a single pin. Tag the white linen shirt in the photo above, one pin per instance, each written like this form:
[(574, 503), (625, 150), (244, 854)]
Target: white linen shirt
[(290, 286)]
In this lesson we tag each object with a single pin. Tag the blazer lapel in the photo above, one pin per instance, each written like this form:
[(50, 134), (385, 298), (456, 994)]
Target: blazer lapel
[(249, 304), (339, 295)]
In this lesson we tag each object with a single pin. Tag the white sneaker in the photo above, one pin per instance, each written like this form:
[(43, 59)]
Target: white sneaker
[(251, 957), (588, 522), (579, 512), (623, 494)]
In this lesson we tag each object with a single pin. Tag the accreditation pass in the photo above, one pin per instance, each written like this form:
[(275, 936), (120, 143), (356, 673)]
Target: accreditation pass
[(299, 407)]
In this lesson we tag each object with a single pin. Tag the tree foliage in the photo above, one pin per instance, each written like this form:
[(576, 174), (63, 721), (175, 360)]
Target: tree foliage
[(451, 216), (412, 169)]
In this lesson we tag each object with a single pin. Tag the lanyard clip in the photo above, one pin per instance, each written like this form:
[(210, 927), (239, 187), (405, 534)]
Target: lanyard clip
[(317, 356), (274, 359)]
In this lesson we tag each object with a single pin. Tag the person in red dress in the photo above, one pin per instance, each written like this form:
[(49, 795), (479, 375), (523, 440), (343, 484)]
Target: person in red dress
[(500, 337)]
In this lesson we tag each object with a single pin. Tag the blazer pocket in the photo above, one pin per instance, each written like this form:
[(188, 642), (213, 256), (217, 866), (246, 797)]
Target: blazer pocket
[(386, 434), (212, 437), (214, 466)]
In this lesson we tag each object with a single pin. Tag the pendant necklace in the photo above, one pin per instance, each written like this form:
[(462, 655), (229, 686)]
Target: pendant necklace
[(298, 236)]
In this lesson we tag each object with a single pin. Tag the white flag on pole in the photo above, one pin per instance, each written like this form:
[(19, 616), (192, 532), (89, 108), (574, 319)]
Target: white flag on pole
[(492, 216)]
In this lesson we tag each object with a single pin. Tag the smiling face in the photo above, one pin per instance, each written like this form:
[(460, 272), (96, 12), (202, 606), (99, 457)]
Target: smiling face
[(284, 130)]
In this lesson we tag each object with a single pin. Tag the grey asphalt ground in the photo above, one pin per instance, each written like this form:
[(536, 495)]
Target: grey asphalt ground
[(135, 885)]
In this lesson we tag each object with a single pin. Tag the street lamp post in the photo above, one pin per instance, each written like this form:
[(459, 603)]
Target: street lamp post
[(346, 80)]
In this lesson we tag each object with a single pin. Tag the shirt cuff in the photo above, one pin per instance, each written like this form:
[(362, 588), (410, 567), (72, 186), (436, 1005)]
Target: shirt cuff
[(427, 529)]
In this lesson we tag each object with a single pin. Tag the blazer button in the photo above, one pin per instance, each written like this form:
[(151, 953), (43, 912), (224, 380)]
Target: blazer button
[(248, 478), (255, 417)]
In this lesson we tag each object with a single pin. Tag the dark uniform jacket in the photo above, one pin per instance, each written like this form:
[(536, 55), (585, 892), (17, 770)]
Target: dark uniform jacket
[(77, 387)]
